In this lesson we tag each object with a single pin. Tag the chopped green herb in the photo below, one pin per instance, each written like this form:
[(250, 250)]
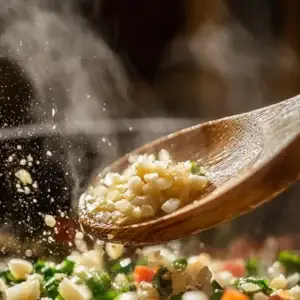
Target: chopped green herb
[(109, 295), (99, 283), (129, 288), (39, 265), (162, 281), (290, 260), (262, 283), (66, 267), (59, 297), (51, 288), (9, 278), (252, 266), (217, 291), (180, 264), (48, 272), (195, 169), (123, 266)]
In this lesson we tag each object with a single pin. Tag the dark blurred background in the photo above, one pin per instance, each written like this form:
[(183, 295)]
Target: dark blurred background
[(187, 61)]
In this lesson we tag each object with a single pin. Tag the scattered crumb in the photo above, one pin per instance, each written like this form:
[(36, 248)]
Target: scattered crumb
[(23, 162), (19, 147), (49, 153), (50, 220), (27, 190), (24, 176), (28, 253)]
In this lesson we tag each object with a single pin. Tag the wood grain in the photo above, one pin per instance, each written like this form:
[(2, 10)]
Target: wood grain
[(250, 158)]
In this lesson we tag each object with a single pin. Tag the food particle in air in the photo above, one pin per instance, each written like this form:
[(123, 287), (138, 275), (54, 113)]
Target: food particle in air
[(50, 221), (24, 176)]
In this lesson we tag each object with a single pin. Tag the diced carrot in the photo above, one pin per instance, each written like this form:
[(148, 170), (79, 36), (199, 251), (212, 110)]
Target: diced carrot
[(143, 273), (232, 294), (236, 268)]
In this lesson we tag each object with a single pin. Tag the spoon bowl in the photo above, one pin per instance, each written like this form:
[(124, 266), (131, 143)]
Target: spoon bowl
[(249, 159)]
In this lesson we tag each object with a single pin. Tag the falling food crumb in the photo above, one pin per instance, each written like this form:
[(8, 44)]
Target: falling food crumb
[(49, 153), (10, 159), (19, 147), (28, 253), (34, 185), (23, 162), (29, 158), (79, 235), (50, 220), (24, 176), (27, 190)]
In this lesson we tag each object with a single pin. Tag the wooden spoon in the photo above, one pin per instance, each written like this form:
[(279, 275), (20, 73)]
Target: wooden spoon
[(250, 158)]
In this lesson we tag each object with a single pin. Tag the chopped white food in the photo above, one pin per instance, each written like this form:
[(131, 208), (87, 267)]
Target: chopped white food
[(170, 206), (71, 291), (194, 295), (29, 290), (20, 268), (50, 221), (24, 176), (114, 251), (148, 186)]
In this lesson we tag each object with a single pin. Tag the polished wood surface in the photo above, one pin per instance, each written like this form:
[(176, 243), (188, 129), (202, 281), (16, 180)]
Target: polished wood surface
[(250, 158)]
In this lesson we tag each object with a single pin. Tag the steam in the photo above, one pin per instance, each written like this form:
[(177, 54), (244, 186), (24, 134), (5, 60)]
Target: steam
[(76, 77)]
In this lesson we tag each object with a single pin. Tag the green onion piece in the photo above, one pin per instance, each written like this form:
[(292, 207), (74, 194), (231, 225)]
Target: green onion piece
[(195, 169), (59, 297), (99, 283), (109, 295), (162, 281), (66, 267), (124, 266), (252, 266), (217, 291), (9, 278), (290, 260), (180, 264), (262, 283), (51, 287), (39, 265), (48, 272)]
